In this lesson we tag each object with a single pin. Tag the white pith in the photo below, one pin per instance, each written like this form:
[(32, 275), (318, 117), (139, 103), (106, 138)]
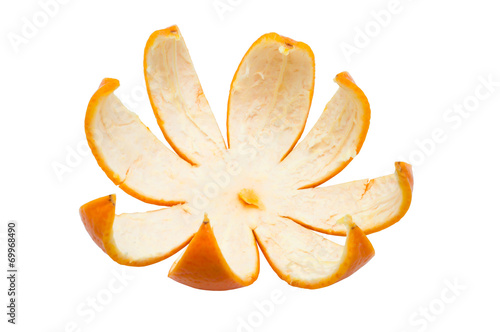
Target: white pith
[(152, 234), (213, 188), (181, 107), (270, 98)]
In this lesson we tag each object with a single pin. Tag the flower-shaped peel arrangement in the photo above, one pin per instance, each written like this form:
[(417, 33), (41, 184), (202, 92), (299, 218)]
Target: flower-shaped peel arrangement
[(221, 203)]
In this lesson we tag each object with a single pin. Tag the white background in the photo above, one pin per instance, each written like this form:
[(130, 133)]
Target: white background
[(423, 61)]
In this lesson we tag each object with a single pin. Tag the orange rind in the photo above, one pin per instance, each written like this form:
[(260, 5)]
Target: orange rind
[(222, 203)]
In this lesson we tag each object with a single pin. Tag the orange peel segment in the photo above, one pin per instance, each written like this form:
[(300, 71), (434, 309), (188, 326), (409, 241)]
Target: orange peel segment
[(375, 204), (307, 260), (335, 139), (203, 266), (138, 239), (270, 97), (178, 101), (130, 155)]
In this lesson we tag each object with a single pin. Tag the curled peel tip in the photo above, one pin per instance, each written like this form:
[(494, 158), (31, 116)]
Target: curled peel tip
[(112, 199), (172, 31), (405, 170), (109, 84), (343, 77)]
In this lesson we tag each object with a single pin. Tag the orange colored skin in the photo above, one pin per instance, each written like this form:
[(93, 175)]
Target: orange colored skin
[(202, 265), (98, 217), (358, 250), (284, 41)]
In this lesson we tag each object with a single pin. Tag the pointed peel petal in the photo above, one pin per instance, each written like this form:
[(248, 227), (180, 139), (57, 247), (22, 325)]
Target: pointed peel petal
[(203, 266), (177, 98), (375, 204), (345, 80), (335, 139), (305, 259), (137, 239), (130, 155), (270, 96)]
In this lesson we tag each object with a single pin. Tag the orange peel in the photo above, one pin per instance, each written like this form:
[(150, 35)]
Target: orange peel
[(223, 203)]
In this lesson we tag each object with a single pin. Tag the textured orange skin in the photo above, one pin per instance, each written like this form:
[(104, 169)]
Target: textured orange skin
[(108, 86), (345, 81), (98, 217), (202, 266), (286, 41), (358, 250)]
